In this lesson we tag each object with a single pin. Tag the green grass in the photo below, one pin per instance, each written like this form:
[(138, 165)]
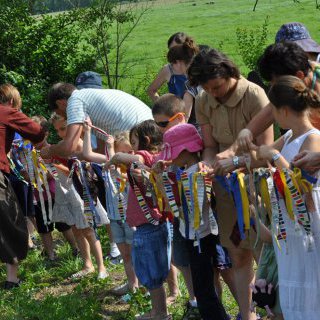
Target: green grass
[(211, 24), (48, 294)]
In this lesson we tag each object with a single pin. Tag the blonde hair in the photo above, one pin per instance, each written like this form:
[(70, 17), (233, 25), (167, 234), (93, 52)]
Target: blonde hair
[(8, 94), (122, 137), (44, 123)]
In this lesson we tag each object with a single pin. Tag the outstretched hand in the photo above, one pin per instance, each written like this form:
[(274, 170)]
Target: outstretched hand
[(160, 166), (307, 160), (87, 124), (244, 141)]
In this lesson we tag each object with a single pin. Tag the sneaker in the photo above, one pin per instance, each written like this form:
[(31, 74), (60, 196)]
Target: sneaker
[(117, 260), (8, 285), (114, 251), (121, 290)]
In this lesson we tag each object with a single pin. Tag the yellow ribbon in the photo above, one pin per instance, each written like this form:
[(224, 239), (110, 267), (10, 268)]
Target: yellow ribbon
[(196, 211), (301, 183), (287, 196), (244, 200), (157, 192), (264, 192)]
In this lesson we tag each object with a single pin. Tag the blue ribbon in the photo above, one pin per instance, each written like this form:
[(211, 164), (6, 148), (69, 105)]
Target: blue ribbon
[(234, 184)]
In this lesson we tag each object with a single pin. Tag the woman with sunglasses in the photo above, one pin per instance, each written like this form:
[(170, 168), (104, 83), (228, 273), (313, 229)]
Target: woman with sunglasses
[(226, 105)]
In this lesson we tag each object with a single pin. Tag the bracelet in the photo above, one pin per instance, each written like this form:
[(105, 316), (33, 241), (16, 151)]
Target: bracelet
[(235, 161)]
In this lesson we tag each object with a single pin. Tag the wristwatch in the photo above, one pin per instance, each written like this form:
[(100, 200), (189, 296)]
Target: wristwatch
[(235, 161)]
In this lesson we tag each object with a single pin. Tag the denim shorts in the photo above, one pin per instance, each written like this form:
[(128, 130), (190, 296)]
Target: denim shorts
[(180, 252), (151, 254), (121, 232)]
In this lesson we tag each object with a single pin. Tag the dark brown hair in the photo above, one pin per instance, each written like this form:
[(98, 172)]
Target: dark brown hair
[(147, 128), (283, 58), (59, 91), (292, 92), (168, 105), (211, 64), (184, 52), (179, 38)]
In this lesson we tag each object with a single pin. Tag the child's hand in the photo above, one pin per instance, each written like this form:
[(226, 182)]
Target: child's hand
[(110, 141), (87, 124), (160, 166), (206, 167), (266, 153)]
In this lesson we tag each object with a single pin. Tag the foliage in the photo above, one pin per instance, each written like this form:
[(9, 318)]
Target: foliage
[(110, 24), (251, 43), (38, 51)]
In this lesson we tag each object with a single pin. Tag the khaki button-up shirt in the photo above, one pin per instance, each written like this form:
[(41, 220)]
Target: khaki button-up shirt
[(229, 118)]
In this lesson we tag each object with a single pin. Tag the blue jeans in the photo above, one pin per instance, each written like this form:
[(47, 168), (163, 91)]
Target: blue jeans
[(151, 254)]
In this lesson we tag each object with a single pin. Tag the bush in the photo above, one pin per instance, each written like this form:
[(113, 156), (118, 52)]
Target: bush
[(251, 43), (39, 51)]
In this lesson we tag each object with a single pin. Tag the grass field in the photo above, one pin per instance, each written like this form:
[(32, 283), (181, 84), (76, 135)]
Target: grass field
[(210, 22), (47, 293)]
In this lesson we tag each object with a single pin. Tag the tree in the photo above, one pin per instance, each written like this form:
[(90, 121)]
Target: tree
[(38, 51), (111, 24)]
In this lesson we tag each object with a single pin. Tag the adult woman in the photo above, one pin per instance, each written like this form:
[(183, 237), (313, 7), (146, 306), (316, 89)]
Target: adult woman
[(182, 49), (13, 229), (226, 105)]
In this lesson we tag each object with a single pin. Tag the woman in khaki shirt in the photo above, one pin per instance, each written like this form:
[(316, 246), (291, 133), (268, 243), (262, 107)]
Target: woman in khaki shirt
[(225, 107)]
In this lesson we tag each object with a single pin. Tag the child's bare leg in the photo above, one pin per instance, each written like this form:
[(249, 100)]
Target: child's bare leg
[(84, 249), (125, 250), (47, 242), (158, 301), (69, 236), (95, 247)]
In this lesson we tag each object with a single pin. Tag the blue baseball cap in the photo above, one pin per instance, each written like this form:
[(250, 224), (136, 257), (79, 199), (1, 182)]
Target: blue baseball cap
[(297, 32), (89, 79)]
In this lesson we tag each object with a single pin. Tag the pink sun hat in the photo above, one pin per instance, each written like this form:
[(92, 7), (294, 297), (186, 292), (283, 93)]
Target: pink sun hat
[(178, 138)]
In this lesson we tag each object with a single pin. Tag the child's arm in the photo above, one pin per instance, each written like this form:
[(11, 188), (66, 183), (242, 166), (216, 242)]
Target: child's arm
[(62, 168), (87, 152), (265, 234), (125, 159), (161, 78)]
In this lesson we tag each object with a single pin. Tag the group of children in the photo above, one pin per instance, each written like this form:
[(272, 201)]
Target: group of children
[(155, 192)]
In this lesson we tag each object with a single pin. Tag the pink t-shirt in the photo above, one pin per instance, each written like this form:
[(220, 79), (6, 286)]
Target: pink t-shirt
[(135, 216)]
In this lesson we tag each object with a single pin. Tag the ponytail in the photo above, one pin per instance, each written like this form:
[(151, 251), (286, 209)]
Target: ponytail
[(292, 92), (184, 52)]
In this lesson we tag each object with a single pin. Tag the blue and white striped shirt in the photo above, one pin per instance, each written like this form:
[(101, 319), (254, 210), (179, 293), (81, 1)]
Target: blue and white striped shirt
[(111, 110)]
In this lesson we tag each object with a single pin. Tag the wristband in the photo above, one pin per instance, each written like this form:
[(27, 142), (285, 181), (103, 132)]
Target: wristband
[(235, 161), (275, 157)]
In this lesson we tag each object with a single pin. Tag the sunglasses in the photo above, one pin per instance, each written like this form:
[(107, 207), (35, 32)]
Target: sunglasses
[(163, 124)]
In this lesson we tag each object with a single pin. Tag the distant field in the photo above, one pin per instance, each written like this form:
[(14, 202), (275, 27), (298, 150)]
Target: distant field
[(210, 22)]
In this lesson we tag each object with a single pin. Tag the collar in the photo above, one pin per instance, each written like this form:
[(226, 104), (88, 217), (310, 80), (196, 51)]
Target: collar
[(235, 98)]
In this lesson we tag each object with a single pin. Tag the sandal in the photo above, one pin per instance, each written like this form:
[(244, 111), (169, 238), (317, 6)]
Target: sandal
[(82, 273)]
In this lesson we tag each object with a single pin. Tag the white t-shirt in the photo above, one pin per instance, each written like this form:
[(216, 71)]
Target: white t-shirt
[(111, 110)]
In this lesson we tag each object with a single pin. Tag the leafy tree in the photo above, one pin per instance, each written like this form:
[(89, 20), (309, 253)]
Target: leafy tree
[(110, 24), (38, 51)]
